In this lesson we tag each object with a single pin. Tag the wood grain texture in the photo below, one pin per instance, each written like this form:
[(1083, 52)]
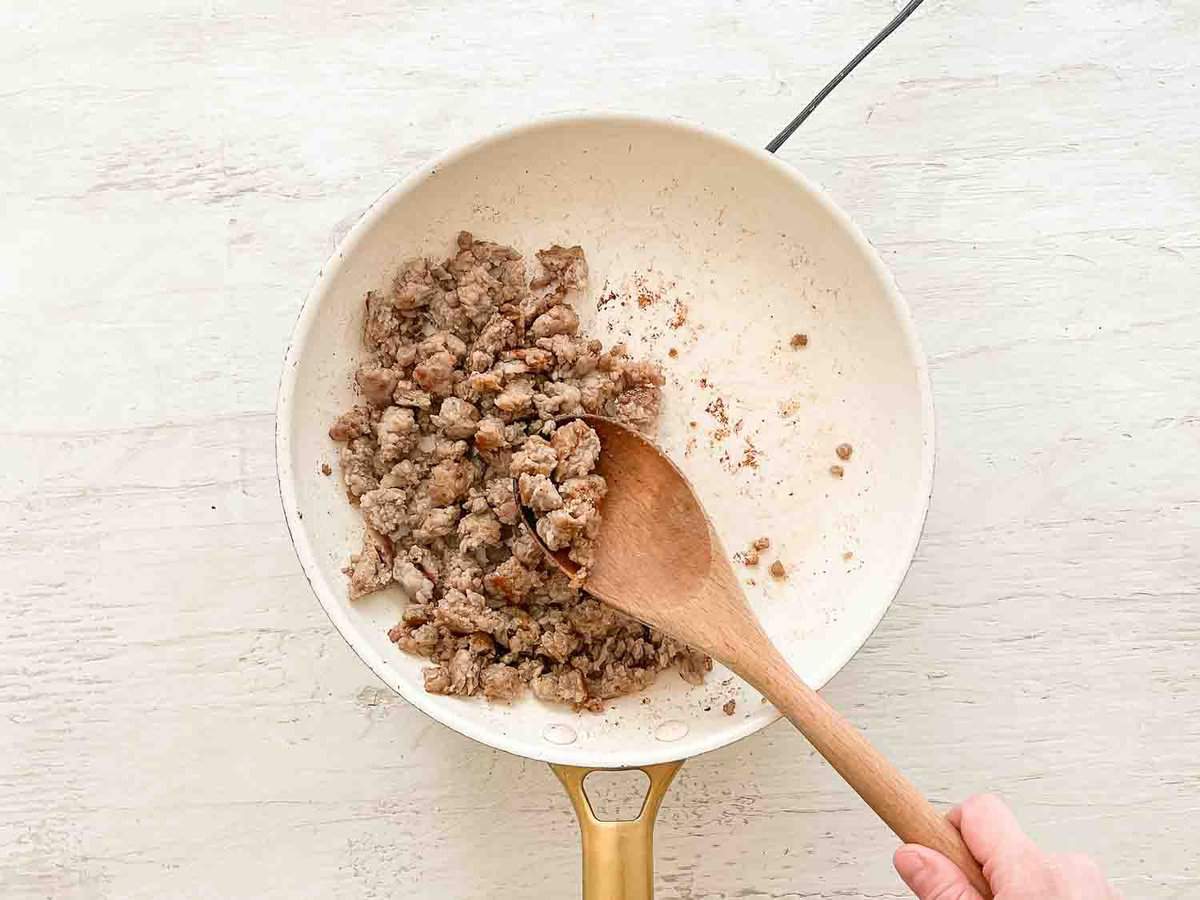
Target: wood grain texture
[(177, 716), (659, 560)]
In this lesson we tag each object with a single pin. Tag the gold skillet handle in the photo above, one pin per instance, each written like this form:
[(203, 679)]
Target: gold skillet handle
[(618, 857)]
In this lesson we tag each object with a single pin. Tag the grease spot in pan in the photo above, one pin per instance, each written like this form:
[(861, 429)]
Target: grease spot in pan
[(559, 734), (671, 731)]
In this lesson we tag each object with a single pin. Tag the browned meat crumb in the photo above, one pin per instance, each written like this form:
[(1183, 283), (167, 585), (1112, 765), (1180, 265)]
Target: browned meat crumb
[(798, 341), (751, 556), (777, 570), (848, 555), (729, 707), (716, 409), (672, 353), (468, 362), (326, 469), (844, 451), (376, 383), (679, 316), (789, 408), (353, 423), (837, 471), (371, 567), (750, 457)]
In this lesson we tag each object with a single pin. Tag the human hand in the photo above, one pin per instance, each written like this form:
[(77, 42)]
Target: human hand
[(1013, 865)]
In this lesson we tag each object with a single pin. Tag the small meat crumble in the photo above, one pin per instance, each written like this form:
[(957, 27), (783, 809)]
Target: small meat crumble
[(844, 451), (729, 707), (326, 469), (798, 341), (837, 471), (777, 570), (751, 557), (468, 364)]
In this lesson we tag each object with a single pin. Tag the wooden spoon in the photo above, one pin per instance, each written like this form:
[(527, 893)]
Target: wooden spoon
[(659, 561)]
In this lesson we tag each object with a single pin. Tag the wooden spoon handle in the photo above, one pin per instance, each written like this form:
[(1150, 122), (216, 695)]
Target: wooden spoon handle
[(869, 772)]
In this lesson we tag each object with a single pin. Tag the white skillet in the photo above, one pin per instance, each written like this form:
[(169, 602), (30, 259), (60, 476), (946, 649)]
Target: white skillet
[(732, 252)]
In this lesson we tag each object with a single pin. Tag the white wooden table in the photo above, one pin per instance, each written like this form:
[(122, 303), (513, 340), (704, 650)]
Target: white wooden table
[(177, 716)]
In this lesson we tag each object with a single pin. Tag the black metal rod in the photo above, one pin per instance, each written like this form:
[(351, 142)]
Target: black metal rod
[(787, 132)]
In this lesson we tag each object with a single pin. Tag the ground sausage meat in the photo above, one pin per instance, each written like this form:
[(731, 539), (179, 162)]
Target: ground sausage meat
[(467, 363)]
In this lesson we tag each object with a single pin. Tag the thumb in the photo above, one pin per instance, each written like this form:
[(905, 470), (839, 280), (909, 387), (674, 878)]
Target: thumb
[(931, 876)]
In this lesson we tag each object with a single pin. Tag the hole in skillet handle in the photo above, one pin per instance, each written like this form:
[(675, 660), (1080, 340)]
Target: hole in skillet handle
[(617, 795)]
